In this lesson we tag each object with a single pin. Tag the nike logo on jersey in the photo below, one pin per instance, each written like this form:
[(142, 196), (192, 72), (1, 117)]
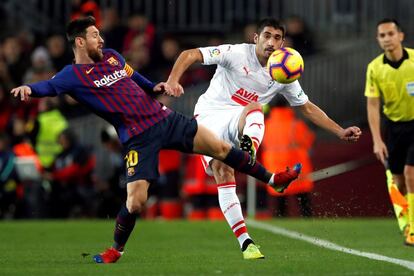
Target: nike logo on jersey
[(244, 97), (246, 70), (89, 70), (108, 80)]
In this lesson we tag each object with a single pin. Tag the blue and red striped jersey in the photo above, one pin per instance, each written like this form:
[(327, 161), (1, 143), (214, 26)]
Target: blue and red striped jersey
[(112, 90)]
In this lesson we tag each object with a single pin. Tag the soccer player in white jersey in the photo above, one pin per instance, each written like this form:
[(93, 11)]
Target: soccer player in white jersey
[(232, 108)]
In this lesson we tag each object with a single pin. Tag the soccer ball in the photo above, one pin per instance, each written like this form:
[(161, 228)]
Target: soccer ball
[(285, 65)]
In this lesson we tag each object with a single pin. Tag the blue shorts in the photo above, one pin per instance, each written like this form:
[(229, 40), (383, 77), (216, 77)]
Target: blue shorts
[(400, 143), (174, 132)]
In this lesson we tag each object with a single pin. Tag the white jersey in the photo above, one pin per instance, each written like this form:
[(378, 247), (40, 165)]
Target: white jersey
[(240, 79)]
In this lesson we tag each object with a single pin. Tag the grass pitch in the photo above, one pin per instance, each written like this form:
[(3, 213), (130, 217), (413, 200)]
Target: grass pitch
[(200, 248)]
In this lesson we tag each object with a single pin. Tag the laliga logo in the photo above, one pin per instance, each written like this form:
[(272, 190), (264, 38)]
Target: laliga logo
[(108, 80)]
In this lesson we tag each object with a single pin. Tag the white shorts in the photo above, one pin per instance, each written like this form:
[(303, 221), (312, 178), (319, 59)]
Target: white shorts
[(224, 123)]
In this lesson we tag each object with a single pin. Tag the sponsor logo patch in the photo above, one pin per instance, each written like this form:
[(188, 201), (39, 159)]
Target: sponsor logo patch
[(300, 94), (244, 97), (410, 88), (108, 80), (214, 52)]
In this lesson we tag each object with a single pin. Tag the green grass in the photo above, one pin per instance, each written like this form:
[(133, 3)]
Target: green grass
[(199, 248)]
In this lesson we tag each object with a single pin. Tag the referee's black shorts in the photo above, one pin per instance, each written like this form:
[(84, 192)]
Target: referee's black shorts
[(399, 138)]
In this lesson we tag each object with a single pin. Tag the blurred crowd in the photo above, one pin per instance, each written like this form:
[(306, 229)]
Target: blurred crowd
[(46, 172)]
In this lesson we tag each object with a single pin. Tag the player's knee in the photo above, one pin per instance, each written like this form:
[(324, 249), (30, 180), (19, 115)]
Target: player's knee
[(134, 205), (409, 176), (253, 105), (222, 149), (222, 171)]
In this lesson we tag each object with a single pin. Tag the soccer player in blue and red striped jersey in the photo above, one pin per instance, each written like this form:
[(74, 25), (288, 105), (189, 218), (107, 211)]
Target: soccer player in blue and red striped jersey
[(102, 81)]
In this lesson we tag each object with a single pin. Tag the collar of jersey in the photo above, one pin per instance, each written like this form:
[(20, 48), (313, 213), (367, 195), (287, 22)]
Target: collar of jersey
[(396, 64)]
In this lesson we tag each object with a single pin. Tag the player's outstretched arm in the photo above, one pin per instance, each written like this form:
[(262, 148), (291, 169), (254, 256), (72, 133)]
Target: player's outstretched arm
[(23, 91), (351, 134), (185, 60), (318, 117)]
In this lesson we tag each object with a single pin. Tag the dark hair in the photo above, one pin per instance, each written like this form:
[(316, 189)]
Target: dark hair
[(77, 28), (271, 22), (390, 20)]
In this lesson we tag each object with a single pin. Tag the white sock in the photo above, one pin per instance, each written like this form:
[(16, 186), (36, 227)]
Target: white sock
[(255, 127), (230, 206)]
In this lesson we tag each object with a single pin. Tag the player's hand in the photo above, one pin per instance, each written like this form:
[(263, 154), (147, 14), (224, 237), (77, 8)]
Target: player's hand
[(351, 134), (161, 87), (24, 91), (175, 89), (381, 151)]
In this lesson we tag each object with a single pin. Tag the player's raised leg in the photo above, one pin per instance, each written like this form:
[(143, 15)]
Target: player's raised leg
[(137, 192), (251, 125), (206, 143)]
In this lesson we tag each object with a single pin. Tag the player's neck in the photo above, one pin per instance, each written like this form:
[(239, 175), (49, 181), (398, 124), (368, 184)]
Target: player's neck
[(82, 58), (262, 60), (395, 55)]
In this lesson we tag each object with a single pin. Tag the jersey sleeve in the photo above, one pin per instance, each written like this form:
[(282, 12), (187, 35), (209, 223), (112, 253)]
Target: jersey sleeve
[(371, 86), (59, 84), (294, 94), (139, 79), (217, 54)]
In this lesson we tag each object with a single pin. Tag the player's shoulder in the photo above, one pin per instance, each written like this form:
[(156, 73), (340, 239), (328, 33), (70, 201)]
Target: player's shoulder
[(410, 53), (377, 61), (230, 48), (238, 53), (108, 53), (67, 70), (242, 47)]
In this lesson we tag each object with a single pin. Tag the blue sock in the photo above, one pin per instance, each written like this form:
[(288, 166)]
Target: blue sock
[(239, 160), (124, 225)]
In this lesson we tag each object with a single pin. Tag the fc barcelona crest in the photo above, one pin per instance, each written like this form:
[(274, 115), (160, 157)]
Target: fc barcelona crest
[(131, 171), (112, 61)]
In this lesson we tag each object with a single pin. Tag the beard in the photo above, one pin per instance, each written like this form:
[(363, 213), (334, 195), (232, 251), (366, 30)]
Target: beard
[(95, 54)]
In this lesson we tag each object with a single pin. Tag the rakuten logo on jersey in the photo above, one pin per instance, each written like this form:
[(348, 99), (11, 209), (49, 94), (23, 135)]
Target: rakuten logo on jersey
[(108, 80), (244, 97)]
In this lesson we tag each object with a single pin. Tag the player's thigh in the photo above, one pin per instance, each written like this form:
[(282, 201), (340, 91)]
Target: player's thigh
[(141, 158), (223, 123), (179, 132), (207, 143)]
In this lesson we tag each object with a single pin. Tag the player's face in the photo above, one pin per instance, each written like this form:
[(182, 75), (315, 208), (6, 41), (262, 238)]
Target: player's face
[(94, 44), (269, 40), (388, 36)]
